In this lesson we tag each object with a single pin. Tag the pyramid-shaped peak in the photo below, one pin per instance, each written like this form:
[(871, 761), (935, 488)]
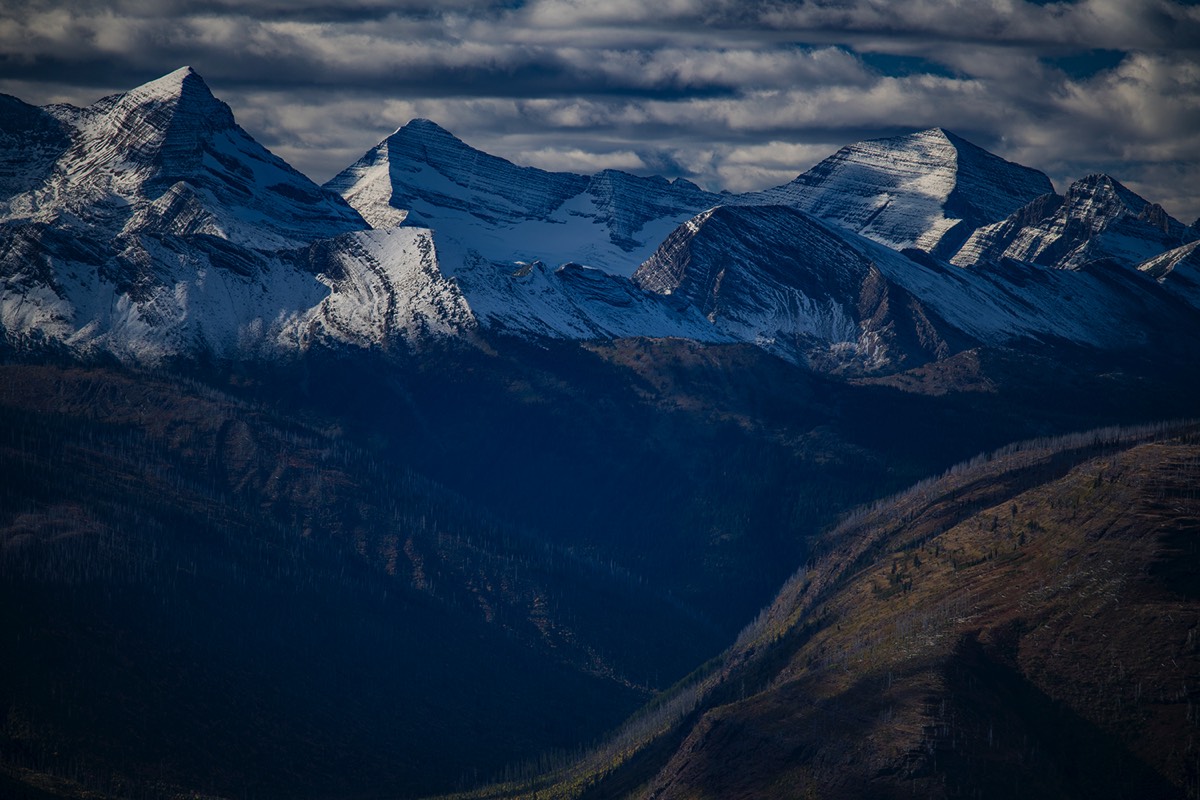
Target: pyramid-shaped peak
[(182, 94), (425, 134), (945, 134), (182, 84), (1101, 195)]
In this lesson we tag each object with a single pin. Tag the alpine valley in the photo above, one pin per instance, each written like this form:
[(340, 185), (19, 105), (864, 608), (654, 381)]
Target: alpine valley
[(453, 476)]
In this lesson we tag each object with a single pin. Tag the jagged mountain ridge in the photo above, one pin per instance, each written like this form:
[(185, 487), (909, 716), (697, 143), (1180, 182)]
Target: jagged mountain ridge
[(151, 226), (818, 294), (1097, 219), (930, 190), (1178, 270)]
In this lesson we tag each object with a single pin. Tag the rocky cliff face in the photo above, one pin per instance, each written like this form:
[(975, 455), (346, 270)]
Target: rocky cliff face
[(772, 275), (1178, 271)]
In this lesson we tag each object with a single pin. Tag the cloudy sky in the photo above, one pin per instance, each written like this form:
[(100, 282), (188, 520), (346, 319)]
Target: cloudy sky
[(735, 94)]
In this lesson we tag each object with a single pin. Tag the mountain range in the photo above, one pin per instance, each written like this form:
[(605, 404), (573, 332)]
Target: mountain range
[(150, 226), (454, 476)]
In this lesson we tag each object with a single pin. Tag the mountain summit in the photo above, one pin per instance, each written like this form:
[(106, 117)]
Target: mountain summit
[(425, 170), (168, 156), (926, 190), (424, 175)]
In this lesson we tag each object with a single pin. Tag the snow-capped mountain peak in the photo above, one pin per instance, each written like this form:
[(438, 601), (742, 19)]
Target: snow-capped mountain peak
[(424, 175), (926, 190), (425, 171), (160, 126), (1098, 199), (168, 156)]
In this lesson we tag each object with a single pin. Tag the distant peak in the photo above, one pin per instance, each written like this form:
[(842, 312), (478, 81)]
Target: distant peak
[(935, 133), (1101, 190), (930, 139), (183, 87), (425, 133)]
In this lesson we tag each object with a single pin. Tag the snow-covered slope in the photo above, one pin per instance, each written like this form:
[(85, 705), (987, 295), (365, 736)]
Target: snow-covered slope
[(1178, 271), (1097, 219), (423, 175), (811, 291), (384, 286), (367, 289), (1102, 305), (795, 285), (572, 301), (926, 190), (31, 141)]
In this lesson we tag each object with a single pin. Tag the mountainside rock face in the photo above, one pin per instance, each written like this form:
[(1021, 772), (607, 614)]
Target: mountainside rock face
[(573, 302), (926, 190), (788, 282), (812, 292), (424, 175), (31, 141), (1098, 219)]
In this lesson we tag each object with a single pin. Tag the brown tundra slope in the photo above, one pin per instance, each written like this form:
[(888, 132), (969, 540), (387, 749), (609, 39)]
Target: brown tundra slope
[(1028, 625)]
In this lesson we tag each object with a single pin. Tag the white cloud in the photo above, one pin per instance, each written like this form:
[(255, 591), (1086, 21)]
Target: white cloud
[(575, 159)]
